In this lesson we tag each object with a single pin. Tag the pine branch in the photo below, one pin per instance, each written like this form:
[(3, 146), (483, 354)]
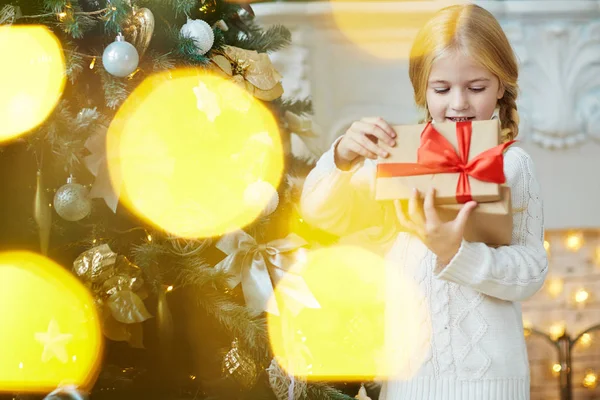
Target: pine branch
[(220, 41), (116, 16), (250, 330), (185, 47), (297, 106), (236, 319), (55, 6), (115, 89), (161, 62), (275, 38), (74, 63), (183, 7), (320, 391)]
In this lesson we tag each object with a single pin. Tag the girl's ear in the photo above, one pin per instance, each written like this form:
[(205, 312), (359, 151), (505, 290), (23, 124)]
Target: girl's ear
[(501, 91)]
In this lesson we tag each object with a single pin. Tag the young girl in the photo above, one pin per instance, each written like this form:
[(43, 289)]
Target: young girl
[(462, 67)]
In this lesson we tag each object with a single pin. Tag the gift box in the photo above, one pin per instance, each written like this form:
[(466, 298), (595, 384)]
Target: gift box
[(490, 223), (462, 161)]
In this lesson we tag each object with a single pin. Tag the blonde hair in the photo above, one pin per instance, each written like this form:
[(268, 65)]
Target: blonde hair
[(475, 32)]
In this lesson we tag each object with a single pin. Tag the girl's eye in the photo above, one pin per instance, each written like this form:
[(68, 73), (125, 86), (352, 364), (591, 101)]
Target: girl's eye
[(477, 89), (441, 90)]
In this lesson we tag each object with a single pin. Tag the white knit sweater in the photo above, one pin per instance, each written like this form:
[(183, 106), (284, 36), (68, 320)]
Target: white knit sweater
[(475, 347)]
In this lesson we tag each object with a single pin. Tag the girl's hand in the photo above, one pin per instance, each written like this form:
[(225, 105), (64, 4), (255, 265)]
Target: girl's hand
[(364, 138), (442, 238)]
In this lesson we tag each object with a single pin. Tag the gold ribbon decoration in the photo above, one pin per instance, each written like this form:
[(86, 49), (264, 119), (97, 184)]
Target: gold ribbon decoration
[(258, 267), (119, 290), (251, 70)]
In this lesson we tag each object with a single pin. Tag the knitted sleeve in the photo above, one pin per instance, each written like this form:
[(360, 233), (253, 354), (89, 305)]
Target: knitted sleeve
[(513, 272), (341, 202)]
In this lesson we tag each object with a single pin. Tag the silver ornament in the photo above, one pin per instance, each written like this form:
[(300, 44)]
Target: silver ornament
[(120, 58), (201, 32), (72, 201)]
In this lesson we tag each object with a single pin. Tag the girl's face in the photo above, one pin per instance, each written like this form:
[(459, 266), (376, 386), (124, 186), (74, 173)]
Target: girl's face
[(459, 89)]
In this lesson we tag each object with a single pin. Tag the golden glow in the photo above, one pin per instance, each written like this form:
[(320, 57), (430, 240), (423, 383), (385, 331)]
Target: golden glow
[(184, 153), (170, 288), (590, 380), (581, 296), (557, 330), (556, 368), (344, 339), (93, 63), (574, 241), (585, 340), (555, 286), (149, 237), (49, 322), (362, 27), (33, 80)]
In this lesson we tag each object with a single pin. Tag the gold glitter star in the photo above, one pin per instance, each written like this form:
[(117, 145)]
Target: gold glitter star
[(54, 343)]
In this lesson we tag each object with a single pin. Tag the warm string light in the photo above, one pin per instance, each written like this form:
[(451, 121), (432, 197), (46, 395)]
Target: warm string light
[(574, 241), (581, 296), (557, 330), (169, 288), (547, 246), (149, 237), (93, 63), (556, 368), (590, 380), (585, 340)]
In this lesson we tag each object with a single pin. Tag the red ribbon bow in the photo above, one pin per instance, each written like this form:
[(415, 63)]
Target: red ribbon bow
[(436, 155)]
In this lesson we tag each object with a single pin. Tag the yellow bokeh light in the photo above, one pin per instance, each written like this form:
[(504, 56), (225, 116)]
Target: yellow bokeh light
[(581, 296), (349, 336), (556, 368), (187, 148), (585, 340), (49, 328), (574, 241), (33, 79), (364, 27), (557, 330), (555, 286), (590, 380), (547, 245)]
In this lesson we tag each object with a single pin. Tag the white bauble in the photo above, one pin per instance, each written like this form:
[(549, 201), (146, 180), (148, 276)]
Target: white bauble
[(201, 32)]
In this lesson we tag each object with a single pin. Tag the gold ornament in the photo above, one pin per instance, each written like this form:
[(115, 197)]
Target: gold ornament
[(251, 70), (139, 29), (42, 214), (119, 291), (240, 366)]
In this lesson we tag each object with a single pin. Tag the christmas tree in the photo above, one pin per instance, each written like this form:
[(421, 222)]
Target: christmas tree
[(180, 315)]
